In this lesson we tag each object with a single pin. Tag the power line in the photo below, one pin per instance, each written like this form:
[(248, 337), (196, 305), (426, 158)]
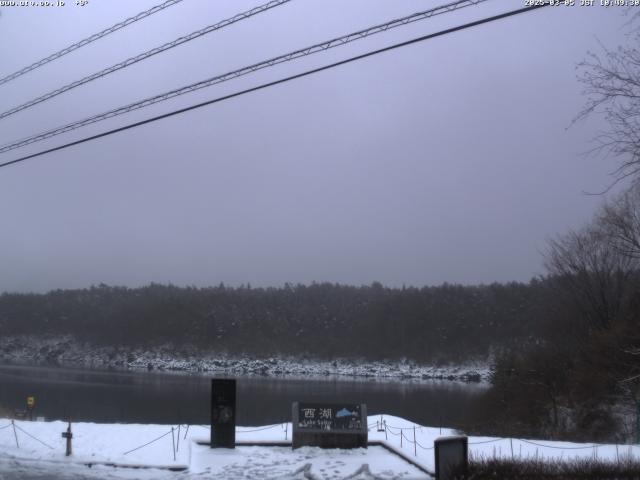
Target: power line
[(88, 40), (143, 56), (280, 81), (319, 47)]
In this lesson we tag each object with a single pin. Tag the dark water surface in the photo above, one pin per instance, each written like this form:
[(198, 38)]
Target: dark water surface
[(150, 397)]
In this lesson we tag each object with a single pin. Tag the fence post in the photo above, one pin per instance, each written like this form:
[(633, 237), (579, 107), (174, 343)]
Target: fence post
[(178, 441), (401, 435), (173, 443), (415, 444), (385, 430), (286, 431), (68, 435), (14, 433), (511, 441)]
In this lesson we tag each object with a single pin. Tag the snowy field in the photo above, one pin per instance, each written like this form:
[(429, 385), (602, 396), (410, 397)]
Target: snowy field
[(39, 452), (64, 350)]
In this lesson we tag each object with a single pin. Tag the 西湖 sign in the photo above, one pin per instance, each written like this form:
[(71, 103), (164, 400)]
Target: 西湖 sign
[(330, 425), (329, 417)]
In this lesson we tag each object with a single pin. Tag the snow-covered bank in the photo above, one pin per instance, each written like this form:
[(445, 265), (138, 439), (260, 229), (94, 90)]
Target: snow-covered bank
[(40, 446), (68, 351)]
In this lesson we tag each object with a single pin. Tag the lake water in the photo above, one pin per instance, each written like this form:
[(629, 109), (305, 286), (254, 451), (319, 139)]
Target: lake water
[(150, 397)]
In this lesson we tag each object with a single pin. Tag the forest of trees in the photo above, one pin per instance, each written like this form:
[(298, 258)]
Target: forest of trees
[(434, 324), (583, 374)]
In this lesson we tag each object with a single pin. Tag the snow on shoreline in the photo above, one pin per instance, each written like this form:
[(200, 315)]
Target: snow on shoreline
[(41, 447), (65, 350)]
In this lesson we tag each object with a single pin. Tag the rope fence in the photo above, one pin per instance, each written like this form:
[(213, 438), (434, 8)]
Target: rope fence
[(381, 426), (488, 441), (259, 429), (17, 427), (595, 445), (400, 432), (149, 443), (423, 447)]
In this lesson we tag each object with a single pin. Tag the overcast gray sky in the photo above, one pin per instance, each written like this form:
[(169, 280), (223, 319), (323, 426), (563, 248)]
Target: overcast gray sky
[(448, 160)]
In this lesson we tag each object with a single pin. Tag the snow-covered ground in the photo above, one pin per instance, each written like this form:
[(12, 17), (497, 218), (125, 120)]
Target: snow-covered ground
[(39, 452), (67, 351)]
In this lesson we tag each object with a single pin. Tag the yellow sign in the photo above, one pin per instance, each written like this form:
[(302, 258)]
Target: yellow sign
[(31, 401)]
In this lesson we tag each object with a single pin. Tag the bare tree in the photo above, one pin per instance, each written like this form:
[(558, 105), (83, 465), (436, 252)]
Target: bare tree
[(596, 275), (621, 222), (611, 83)]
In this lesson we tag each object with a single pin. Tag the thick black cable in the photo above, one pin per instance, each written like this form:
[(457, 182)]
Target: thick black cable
[(88, 40), (280, 81), (144, 55)]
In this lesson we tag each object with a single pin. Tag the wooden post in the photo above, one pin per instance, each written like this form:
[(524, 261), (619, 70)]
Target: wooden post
[(415, 444), (173, 443), (68, 435), (401, 435), (286, 431), (14, 433), (511, 441), (385, 430), (178, 442)]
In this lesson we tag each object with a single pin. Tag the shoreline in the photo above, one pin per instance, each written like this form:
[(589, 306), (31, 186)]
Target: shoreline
[(67, 351)]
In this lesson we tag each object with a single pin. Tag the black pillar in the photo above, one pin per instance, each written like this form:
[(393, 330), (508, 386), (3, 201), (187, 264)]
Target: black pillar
[(223, 413)]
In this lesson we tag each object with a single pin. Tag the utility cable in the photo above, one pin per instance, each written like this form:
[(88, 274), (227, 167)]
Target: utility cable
[(88, 40), (143, 56), (320, 47), (280, 81)]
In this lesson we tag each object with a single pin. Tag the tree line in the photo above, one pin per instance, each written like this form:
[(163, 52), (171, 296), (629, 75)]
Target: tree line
[(431, 324)]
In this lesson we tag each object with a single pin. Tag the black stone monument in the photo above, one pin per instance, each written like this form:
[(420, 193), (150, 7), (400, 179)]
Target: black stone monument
[(223, 413)]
